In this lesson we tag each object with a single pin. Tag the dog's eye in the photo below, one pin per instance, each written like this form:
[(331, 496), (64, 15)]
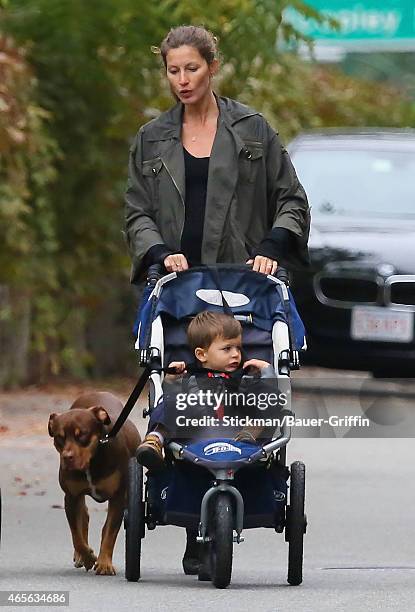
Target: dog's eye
[(59, 441), (83, 438)]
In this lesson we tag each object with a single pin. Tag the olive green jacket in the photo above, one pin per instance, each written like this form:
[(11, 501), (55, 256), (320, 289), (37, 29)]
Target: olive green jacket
[(252, 187)]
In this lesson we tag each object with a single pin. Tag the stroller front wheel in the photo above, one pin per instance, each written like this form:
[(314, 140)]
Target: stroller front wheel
[(221, 545)]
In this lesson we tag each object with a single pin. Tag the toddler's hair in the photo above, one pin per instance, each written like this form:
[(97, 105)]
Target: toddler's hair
[(207, 326)]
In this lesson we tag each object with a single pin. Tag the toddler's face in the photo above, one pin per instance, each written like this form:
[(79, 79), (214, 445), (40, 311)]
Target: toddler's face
[(223, 354)]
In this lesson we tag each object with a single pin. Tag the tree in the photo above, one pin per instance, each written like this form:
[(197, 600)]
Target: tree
[(97, 82), (26, 220)]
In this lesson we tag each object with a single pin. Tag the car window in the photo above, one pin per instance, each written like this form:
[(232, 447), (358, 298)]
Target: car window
[(350, 183)]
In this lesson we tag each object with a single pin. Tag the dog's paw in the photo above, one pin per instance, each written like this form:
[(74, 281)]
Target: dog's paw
[(104, 567), (77, 559), (87, 559)]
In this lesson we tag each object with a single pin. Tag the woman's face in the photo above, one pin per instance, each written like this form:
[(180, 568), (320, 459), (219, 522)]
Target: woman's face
[(189, 74)]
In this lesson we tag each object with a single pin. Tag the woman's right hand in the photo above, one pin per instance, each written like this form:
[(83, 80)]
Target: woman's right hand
[(263, 264), (176, 263)]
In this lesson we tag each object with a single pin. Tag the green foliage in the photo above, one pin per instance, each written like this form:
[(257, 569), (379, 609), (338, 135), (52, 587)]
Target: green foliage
[(296, 95), (26, 170), (64, 139), (387, 67)]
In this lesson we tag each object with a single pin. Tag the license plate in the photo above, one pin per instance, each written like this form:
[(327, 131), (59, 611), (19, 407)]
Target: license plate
[(382, 324)]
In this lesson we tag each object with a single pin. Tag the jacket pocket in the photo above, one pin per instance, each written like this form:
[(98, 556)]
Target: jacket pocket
[(151, 167), (250, 161), (150, 170)]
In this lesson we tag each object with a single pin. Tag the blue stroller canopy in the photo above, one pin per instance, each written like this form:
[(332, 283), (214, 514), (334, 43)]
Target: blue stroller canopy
[(261, 298)]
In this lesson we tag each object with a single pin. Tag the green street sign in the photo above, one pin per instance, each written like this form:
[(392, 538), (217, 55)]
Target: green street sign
[(366, 23)]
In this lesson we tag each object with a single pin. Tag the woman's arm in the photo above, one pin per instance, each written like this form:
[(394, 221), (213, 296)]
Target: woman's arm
[(156, 255), (141, 229), (278, 244), (143, 236), (289, 212)]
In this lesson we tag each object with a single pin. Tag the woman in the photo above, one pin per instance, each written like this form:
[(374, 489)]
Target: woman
[(209, 181)]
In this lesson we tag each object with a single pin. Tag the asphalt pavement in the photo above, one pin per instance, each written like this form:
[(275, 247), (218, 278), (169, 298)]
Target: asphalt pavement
[(359, 548)]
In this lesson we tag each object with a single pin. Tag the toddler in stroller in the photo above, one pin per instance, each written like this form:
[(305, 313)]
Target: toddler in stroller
[(216, 341)]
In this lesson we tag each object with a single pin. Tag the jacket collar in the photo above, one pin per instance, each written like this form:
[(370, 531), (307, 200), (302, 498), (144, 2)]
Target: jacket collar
[(169, 124)]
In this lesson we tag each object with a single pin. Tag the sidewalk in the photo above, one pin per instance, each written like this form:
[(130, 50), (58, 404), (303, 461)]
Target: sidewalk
[(25, 412)]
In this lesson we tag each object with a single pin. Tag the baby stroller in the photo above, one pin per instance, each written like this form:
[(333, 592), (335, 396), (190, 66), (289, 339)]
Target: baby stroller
[(219, 486)]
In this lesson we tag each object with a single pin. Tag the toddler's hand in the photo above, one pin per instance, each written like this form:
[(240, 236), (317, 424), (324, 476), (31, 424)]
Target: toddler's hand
[(256, 363), (179, 366)]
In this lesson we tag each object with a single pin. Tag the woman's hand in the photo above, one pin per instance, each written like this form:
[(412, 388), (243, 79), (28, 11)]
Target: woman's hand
[(176, 263), (262, 264)]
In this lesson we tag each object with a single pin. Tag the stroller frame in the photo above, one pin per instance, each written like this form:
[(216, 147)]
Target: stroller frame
[(222, 507)]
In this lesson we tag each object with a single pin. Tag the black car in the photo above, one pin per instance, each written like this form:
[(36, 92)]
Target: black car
[(357, 299)]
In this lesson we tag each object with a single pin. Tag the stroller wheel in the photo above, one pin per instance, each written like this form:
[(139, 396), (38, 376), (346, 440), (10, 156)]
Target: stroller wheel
[(296, 523), (221, 545), (134, 521)]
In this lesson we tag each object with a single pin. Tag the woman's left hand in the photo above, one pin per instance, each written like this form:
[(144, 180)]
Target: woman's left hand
[(262, 264)]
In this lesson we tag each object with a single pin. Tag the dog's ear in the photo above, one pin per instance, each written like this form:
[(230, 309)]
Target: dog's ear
[(101, 414), (50, 424)]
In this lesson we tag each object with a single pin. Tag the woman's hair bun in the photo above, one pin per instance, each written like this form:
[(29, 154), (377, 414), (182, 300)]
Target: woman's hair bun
[(194, 36)]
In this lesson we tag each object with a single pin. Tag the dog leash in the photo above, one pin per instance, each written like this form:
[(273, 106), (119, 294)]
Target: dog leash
[(132, 400), (136, 392)]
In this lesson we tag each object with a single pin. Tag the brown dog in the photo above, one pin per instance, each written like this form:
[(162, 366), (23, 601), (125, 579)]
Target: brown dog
[(90, 468)]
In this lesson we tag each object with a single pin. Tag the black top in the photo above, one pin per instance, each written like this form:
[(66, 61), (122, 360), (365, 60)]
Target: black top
[(196, 172)]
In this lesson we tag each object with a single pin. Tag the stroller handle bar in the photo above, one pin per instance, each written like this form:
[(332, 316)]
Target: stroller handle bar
[(279, 442), (156, 271), (282, 440)]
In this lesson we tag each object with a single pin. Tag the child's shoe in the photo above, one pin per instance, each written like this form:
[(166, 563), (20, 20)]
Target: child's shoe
[(150, 452)]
